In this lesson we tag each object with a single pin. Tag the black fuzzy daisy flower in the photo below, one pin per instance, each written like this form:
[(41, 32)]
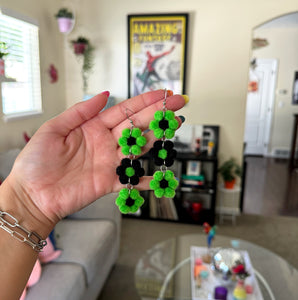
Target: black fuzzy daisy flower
[(130, 171), (163, 153)]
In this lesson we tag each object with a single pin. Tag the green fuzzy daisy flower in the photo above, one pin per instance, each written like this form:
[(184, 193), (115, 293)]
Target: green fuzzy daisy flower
[(129, 201), (132, 141), (164, 124), (164, 184)]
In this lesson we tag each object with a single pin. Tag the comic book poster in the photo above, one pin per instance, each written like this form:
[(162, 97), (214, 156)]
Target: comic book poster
[(157, 53)]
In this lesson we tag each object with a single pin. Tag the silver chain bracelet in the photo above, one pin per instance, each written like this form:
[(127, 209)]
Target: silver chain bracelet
[(7, 222)]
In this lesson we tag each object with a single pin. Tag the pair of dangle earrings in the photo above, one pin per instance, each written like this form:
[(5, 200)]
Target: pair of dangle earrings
[(130, 170)]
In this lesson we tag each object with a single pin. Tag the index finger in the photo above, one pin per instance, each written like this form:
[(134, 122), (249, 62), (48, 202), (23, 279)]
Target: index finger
[(117, 114)]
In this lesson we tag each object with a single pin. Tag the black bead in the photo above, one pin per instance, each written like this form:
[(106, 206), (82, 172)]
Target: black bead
[(158, 161), (119, 170), (136, 164), (140, 172), (134, 180), (126, 162), (158, 145), (168, 145), (131, 141), (163, 184), (123, 179), (164, 124), (129, 202), (169, 162)]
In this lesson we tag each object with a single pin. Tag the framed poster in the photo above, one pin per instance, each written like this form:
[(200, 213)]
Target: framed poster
[(295, 89), (156, 53)]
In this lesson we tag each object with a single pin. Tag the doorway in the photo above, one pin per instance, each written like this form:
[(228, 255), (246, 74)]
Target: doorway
[(259, 106)]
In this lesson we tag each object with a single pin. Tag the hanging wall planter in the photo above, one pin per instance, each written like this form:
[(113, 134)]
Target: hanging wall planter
[(83, 48), (80, 45), (65, 20)]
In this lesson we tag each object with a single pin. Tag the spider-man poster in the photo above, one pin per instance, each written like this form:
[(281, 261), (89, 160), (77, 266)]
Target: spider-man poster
[(157, 53)]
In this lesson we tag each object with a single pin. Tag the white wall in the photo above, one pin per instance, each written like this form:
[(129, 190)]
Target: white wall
[(220, 35), (51, 51)]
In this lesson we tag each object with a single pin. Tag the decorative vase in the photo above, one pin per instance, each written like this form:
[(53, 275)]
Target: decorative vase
[(230, 184), (79, 48), (65, 24), (2, 67), (239, 292)]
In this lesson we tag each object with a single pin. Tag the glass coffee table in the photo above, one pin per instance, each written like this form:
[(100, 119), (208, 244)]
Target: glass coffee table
[(163, 272)]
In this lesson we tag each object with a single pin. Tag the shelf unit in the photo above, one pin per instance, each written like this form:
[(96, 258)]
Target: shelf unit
[(197, 204), (194, 205)]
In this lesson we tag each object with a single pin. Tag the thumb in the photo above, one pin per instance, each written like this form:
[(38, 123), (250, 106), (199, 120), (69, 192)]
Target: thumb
[(78, 114)]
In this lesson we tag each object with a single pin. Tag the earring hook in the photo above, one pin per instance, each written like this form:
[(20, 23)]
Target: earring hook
[(128, 117), (165, 100)]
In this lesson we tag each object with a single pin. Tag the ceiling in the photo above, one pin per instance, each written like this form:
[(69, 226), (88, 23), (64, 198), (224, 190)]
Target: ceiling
[(289, 20)]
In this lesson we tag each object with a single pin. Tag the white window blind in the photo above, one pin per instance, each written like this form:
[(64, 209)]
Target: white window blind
[(22, 97)]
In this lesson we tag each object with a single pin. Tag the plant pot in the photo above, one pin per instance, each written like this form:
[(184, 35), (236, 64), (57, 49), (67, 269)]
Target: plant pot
[(79, 48), (230, 184), (2, 67), (65, 24)]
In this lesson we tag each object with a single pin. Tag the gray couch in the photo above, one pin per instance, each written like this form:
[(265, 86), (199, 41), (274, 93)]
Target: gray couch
[(89, 241)]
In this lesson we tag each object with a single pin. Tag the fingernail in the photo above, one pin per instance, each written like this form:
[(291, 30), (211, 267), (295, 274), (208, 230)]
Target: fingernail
[(107, 93), (170, 93), (186, 98), (182, 118)]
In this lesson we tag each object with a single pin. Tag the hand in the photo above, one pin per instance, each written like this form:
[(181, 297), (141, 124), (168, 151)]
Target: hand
[(72, 159)]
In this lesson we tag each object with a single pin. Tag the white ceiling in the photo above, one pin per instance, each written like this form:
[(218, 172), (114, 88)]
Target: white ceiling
[(289, 20)]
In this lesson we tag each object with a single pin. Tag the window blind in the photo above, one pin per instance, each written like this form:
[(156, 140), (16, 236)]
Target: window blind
[(22, 64)]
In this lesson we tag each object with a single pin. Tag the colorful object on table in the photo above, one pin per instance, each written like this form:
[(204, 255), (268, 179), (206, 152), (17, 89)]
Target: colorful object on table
[(164, 126), (239, 292), (220, 293), (53, 72), (240, 271), (210, 231), (200, 272), (130, 170)]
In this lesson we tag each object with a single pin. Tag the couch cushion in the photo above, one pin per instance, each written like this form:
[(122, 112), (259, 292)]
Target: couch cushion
[(6, 161), (86, 242), (59, 282)]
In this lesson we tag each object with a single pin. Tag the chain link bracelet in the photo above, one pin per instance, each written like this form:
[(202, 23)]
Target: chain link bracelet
[(8, 222)]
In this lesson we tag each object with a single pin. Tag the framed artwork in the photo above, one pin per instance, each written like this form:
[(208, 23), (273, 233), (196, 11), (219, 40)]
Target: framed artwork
[(156, 53)]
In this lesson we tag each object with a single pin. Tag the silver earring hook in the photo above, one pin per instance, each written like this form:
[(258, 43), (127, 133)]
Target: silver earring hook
[(128, 117), (165, 100)]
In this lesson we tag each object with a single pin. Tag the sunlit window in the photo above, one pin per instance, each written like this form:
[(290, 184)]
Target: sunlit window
[(22, 97)]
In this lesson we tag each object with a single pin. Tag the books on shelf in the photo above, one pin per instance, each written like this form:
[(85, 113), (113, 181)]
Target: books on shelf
[(162, 208), (195, 181)]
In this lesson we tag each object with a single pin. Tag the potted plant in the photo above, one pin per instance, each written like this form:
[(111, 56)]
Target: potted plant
[(80, 45), (65, 20), (229, 171), (83, 48), (3, 53)]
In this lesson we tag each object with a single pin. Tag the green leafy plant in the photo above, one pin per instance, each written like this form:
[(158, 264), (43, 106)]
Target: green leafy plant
[(82, 46), (3, 49), (64, 13), (229, 170)]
